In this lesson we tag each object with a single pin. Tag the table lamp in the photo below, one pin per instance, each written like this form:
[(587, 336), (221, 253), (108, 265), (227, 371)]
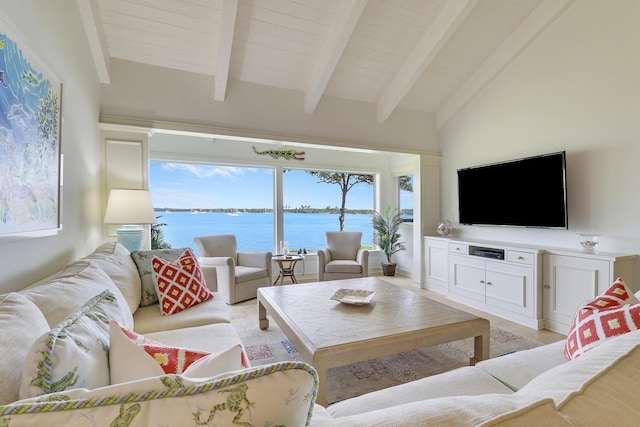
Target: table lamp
[(130, 207)]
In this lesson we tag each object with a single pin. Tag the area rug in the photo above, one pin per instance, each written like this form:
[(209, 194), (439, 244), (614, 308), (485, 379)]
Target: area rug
[(271, 345)]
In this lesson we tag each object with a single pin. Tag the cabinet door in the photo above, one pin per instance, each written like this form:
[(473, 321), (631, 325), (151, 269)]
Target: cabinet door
[(437, 264), (466, 277), (510, 287), (569, 281)]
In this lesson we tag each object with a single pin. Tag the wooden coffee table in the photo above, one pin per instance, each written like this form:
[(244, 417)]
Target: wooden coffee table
[(328, 334)]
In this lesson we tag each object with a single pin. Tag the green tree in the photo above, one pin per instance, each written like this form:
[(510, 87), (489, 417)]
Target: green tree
[(405, 183), (157, 236), (346, 181)]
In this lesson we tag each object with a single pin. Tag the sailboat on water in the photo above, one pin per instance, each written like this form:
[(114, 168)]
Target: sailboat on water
[(233, 212)]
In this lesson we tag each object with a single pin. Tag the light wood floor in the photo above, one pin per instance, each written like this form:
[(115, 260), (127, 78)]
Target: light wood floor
[(544, 336)]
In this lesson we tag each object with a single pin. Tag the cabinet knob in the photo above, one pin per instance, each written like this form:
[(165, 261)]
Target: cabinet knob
[(547, 287), (489, 283)]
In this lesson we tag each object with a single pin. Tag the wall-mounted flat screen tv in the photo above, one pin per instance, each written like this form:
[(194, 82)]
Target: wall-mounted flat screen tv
[(528, 192)]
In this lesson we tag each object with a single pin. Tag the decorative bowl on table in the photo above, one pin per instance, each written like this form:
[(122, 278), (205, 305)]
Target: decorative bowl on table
[(589, 241), (353, 296)]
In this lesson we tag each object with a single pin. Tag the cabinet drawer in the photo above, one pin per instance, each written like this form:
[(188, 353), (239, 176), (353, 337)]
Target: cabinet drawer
[(520, 257), (458, 248)]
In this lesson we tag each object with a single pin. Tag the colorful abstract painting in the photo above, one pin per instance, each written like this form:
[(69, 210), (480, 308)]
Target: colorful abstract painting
[(30, 111)]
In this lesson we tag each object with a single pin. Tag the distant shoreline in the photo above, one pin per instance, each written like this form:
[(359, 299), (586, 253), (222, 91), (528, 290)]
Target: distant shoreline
[(266, 210)]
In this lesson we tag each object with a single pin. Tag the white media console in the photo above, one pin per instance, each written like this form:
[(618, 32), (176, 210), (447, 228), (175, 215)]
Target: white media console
[(533, 286)]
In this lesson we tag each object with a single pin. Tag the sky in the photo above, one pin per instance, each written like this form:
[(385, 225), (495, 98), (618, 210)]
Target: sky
[(197, 186)]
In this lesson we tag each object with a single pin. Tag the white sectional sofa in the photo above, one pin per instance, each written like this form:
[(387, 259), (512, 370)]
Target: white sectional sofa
[(67, 316), (537, 387)]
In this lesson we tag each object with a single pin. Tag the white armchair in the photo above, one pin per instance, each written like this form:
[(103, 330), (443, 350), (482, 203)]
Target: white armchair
[(343, 258), (239, 274)]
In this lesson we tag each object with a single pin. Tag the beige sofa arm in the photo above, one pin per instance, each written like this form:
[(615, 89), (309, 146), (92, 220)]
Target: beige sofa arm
[(210, 276), (225, 272), (362, 256), (324, 256)]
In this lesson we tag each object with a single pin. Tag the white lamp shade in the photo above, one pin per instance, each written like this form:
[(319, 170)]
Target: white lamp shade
[(129, 207)]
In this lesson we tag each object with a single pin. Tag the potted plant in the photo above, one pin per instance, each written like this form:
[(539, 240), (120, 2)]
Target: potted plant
[(386, 236)]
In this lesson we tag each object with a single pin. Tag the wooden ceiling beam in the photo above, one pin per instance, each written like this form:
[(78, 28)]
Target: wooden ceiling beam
[(439, 32), (225, 44), (347, 18), (94, 30)]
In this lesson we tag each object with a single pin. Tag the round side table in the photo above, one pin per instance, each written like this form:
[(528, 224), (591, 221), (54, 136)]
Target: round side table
[(286, 263)]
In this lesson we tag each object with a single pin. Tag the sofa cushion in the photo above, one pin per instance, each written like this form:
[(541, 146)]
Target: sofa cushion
[(614, 312), (516, 369), (143, 260), (600, 387), (179, 285), (542, 412), (21, 323), (462, 381), (443, 411), (133, 356), (150, 319), (280, 394), (115, 260), (74, 353), (212, 338), (70, 290)]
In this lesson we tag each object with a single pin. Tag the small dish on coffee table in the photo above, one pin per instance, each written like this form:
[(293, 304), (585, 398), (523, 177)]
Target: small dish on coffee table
[(353, 296)]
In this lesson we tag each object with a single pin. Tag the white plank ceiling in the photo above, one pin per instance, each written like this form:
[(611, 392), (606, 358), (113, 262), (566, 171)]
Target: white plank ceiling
[(426, 55)]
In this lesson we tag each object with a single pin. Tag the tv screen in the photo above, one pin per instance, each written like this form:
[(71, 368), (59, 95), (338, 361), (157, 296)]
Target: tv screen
[(529, 192)]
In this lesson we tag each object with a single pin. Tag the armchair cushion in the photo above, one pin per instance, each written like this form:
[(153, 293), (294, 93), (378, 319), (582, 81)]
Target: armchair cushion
[(221, 245), (343, 244), (343, 266)]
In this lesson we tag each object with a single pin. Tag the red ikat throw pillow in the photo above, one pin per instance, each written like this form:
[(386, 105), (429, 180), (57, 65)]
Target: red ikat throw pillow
[(179, 285), (615, 312), (133, 356)]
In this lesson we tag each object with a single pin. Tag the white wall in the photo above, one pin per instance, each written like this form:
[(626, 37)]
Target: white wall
[(53, 31), (577, 88)]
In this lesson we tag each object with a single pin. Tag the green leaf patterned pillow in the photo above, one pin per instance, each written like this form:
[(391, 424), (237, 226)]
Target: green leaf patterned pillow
[(74, 354), (143, 262), (279, 394)]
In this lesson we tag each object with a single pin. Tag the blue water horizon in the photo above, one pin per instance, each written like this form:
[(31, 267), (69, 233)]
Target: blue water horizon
[(254, 230)]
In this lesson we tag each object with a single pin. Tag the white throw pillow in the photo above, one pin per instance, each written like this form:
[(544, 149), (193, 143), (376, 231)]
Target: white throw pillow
[(21, 323), (133, 356), (115, 260), (74, 354)]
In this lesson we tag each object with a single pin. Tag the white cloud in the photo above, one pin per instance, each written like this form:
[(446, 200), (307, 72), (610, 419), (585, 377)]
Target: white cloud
[(230, 173)]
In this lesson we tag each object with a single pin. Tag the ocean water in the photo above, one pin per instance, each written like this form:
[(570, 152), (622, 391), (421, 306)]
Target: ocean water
[(254, 231)]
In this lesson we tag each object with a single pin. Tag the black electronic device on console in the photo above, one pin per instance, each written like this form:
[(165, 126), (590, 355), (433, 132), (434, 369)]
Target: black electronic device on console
[(492, 253)]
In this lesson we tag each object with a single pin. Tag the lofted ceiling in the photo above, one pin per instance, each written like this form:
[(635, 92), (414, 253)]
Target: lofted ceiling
[(427, 55)]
